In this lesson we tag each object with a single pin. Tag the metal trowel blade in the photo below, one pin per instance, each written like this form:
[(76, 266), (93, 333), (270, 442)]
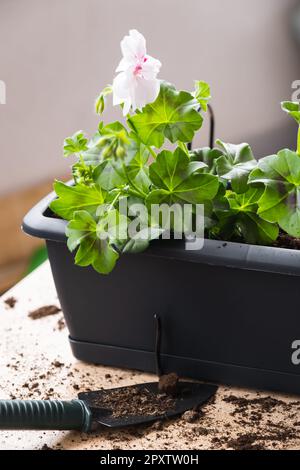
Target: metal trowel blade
[(190, 395)]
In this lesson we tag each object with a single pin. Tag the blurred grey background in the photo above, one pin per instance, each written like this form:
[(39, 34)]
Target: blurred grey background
[(56, 55)]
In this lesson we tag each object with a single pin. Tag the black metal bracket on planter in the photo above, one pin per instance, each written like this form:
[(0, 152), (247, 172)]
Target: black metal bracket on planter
[(211, 128)]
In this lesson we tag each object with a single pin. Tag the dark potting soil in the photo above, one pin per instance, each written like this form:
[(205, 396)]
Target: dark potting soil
[(168, 384), (286, 241), (10, 301), (44, 312), (135, 402)]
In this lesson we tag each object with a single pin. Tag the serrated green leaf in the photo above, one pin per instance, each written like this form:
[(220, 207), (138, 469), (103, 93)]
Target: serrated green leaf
[(109, 175), (208, 156), (292, 108), (75, 144), (79, 228), (202, 94), (140, 242), (82, 234), (280, 175), (114, 225), (235, 165), (75, 198), (137, 170), (238, 215), (177, 179), (172, 116), (105, 262)]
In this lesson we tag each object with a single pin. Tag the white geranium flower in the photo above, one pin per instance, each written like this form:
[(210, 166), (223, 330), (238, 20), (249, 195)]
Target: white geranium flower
[(136, 84)]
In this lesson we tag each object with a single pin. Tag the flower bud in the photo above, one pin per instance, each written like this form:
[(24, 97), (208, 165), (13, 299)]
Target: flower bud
[(99, 104), (108, 151), (120, 152)]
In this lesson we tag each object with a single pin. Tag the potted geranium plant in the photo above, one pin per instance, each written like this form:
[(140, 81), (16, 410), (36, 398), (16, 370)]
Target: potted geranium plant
[(227, 308)]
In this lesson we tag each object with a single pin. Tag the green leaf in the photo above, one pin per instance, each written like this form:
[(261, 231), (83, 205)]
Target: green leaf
[(100, 101), (240, 217), (109, 175), (292, 108), (82, 234), (172, 116), (280, 175), (177, 179), (137, 170), (208, 156), (235, 165), (137, 155), (92, 156), (74, 198), (115, 225), (140, 242), (202, 94), (106, 260), (75, 144), (79, 228)]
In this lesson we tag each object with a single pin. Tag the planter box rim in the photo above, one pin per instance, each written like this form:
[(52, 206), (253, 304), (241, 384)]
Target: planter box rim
[(214, 252)]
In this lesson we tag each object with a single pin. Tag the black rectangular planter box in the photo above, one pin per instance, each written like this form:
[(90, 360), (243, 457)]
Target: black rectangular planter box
[(229, 312)]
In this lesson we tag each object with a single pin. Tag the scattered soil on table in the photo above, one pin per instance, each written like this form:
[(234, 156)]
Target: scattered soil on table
[(168, 384), (45, 311), (57, 363), (46, 447), (245, 442), (10, 301), (286, 241), (266, 404), (135, 402), (253, 413), (256, 440), (61, 324)]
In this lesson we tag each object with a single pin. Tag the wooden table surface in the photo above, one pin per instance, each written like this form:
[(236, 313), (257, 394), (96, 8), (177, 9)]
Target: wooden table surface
[(36, 362)]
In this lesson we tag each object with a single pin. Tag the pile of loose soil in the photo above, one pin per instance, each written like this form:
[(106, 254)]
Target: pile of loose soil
[(135, 402), (44, 312), (168, 384)]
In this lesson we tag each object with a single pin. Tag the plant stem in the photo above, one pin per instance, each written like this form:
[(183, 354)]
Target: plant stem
[(112, 204), (151, 151), (183, 147), (298, 142)]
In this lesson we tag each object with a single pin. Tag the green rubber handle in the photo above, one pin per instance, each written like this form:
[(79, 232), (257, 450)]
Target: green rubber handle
[(45, 414)]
